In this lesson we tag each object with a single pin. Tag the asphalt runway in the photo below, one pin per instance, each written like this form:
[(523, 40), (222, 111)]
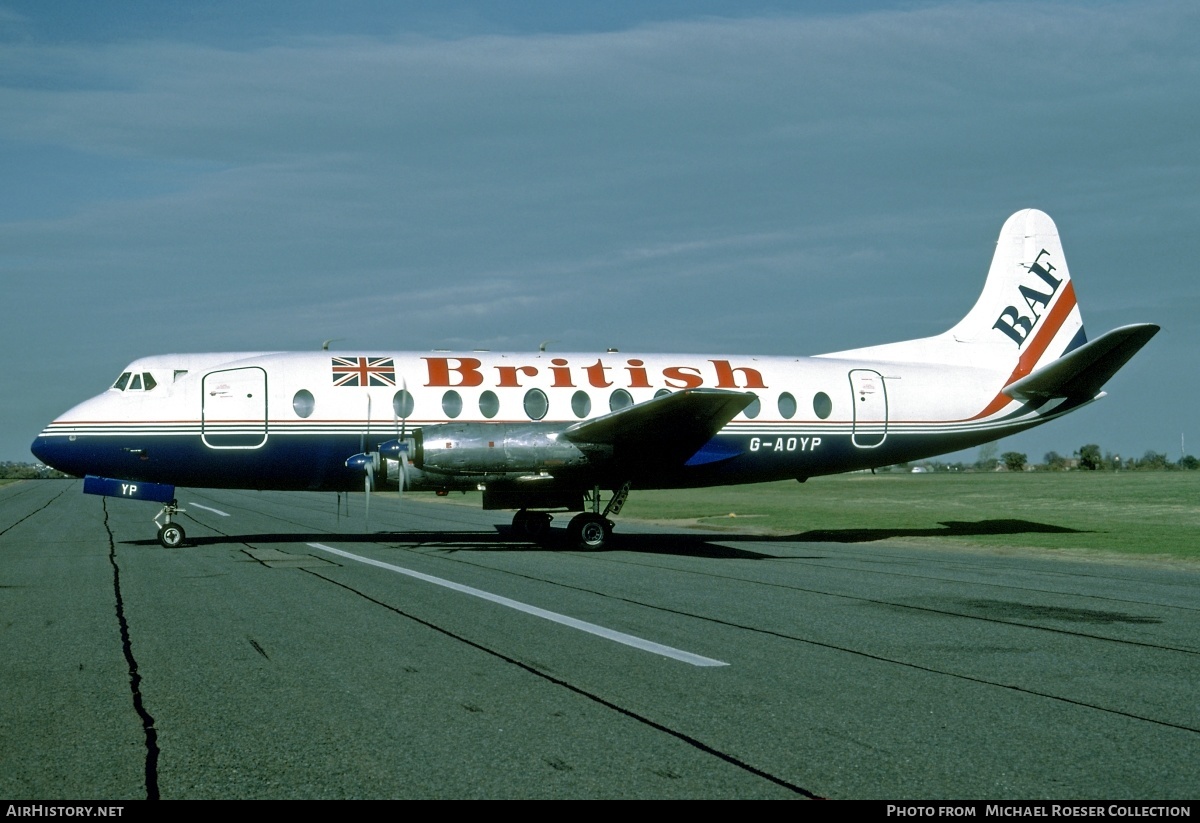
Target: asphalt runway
[(287, 652)]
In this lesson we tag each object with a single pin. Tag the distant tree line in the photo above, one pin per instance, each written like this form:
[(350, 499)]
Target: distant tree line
[(27, 471), (1089, 457)]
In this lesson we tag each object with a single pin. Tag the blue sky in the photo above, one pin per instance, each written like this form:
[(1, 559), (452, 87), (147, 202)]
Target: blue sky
[(766, 177)]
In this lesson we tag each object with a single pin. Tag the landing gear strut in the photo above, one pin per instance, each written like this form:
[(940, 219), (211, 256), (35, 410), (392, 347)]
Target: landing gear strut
[(170, 535), (593, 530)]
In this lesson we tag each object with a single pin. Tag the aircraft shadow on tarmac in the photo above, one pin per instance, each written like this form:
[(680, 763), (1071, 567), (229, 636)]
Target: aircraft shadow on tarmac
[(948, 528), (690, 543), (502, 539)]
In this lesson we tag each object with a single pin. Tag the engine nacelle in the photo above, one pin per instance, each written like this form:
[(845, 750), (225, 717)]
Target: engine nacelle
[(494, 448)]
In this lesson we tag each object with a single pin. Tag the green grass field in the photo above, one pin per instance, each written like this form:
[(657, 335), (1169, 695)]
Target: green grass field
[(1132, 513)]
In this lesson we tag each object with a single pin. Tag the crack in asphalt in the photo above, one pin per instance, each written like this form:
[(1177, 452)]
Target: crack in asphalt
[(38, 510), (682, 736), (608, 704), (894, 661), (135, 679)]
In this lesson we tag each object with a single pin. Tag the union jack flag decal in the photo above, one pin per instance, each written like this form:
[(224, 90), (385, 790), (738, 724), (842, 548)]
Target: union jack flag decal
[(364, 371)]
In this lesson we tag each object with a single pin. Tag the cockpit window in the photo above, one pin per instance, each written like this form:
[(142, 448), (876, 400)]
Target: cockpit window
[(133, 381)]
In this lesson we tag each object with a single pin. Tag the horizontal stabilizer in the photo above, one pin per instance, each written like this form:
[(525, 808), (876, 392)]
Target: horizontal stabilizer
[(1083, 372), (670, 428)]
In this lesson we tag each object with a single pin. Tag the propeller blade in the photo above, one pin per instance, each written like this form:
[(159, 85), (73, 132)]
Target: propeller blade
[(398, 451), (369, 480), (368, 483), (366, 462), (401, 418)]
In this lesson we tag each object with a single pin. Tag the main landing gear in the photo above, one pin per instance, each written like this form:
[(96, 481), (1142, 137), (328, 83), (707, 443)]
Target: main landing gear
[(533, 525), (589, 530), (592, 531), (170, 535)]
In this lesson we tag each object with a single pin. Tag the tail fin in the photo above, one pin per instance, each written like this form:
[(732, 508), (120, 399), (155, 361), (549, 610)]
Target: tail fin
[(1028, 305), (1025, 326), (1026, 315)]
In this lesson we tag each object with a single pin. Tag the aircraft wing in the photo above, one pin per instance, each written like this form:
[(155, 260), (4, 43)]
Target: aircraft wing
[(1083, 372), (668, 429)]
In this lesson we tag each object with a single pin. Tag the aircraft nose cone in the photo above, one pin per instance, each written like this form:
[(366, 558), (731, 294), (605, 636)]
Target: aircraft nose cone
[(59, 453), (43, 450)]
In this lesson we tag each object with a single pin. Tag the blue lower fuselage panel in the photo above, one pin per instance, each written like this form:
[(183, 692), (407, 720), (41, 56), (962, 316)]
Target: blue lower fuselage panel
[(317, 463)]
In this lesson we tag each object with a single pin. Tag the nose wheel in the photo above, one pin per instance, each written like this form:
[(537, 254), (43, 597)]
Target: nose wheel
[(170, 534)]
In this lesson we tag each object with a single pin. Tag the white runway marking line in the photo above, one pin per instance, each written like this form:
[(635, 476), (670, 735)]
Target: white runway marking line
[(590, 628), (208, 509)]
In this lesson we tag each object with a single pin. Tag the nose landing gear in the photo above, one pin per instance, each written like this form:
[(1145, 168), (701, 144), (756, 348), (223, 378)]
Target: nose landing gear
[(170, 535)]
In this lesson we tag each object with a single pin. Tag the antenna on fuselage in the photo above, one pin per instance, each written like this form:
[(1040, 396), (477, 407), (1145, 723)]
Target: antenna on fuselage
[(545, 343), (325, 345)]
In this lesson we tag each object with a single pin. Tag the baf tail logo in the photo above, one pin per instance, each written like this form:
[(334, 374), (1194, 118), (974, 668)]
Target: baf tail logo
[(1017, 325)]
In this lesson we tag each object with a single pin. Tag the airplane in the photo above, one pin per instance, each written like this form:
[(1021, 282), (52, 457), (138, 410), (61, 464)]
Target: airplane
[(544, 433)]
